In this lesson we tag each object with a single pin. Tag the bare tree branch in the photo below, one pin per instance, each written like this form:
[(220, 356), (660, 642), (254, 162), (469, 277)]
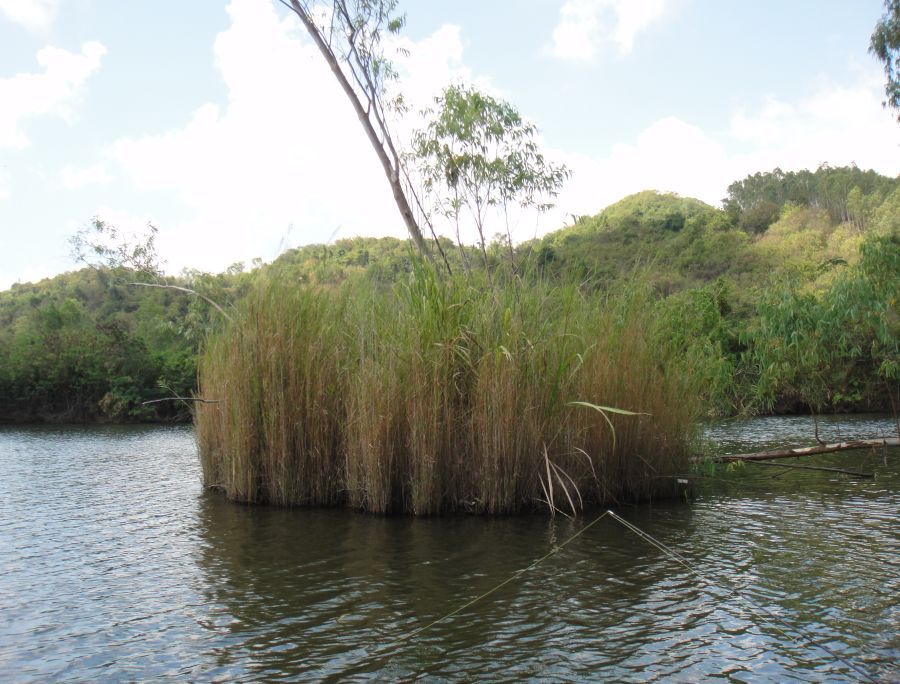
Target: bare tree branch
[(196, 399), (167, 286)]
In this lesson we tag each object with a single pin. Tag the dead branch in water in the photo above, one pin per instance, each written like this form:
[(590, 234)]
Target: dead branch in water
[(810, 450)]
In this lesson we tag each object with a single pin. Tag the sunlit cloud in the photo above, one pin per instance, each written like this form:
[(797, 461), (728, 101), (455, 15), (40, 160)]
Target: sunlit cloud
[(74, 178), (840, 124), (5, 191), (284, 160), (585, 25), (55, 91), (35, 15)]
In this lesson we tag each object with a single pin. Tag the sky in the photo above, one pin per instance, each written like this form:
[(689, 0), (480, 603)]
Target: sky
[(218, 121)]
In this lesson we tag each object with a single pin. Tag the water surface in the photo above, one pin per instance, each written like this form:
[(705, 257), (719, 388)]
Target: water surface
[(116, 565)]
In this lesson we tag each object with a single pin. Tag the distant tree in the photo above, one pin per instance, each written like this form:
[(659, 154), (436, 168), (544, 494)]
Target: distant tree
[(755, 202), (885, 45), (758, 219), (477, 153), (825, 348)]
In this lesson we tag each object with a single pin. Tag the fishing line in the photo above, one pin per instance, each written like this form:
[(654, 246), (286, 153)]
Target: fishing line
[(733, 592), (659, 545), (514, 576)]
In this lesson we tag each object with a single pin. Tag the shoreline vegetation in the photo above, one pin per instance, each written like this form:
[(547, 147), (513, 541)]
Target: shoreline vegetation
[(789, 292)]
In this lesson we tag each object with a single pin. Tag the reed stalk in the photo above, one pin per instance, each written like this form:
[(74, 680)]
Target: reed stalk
[(440, 396)]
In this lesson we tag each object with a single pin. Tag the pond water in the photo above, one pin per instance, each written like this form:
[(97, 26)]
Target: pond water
[(116, 565)]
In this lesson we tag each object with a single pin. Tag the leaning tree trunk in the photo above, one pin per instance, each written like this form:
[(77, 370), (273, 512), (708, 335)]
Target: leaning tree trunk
[(385, 150)]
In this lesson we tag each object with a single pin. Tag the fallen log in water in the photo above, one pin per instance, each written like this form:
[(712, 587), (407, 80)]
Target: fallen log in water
[(810, 450)]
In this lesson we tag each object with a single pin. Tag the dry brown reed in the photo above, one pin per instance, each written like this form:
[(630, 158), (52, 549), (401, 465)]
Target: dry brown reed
[(439, 396)]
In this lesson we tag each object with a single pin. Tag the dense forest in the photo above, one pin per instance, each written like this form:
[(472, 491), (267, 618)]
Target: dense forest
[(788, 293)]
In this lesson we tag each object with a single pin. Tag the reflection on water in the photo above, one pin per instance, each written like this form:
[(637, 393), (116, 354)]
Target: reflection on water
[(115, 565), (329, 591)]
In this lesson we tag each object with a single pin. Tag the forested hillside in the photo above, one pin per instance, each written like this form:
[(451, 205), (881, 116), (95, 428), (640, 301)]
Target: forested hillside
[(87, 346), (789, 294)]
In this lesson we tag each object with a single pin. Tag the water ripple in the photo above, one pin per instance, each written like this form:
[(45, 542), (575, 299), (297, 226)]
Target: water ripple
[(115, 565)]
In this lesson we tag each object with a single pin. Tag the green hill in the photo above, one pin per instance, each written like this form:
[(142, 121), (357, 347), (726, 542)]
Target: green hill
[(683, 241), (790, 290)]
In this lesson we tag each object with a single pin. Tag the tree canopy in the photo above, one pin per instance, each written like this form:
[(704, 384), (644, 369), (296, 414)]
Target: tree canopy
[(885, 45), (477, 153)]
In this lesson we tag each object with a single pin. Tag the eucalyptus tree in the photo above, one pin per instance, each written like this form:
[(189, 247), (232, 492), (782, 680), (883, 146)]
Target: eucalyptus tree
[(477, 153), (350, 36), (885, 45)]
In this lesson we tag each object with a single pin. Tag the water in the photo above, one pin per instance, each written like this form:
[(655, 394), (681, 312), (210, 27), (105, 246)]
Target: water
[(115, 565)]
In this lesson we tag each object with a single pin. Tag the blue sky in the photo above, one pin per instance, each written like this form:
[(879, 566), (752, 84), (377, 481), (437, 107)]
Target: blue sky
[(218, 121)]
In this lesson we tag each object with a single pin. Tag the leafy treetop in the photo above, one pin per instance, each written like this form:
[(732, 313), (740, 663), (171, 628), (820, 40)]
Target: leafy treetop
[(885, 45)]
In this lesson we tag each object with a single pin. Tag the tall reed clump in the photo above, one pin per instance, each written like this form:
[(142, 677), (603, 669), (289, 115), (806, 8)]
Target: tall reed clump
[(439, 396), (275, 434)]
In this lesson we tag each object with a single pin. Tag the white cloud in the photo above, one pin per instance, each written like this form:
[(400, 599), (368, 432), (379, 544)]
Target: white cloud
[(74, 178), (32, 273), (430, 65), (53, 92), (35, 15), (285, 150), (4, 185), (585, 24), (669, 156), (838, 124)]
